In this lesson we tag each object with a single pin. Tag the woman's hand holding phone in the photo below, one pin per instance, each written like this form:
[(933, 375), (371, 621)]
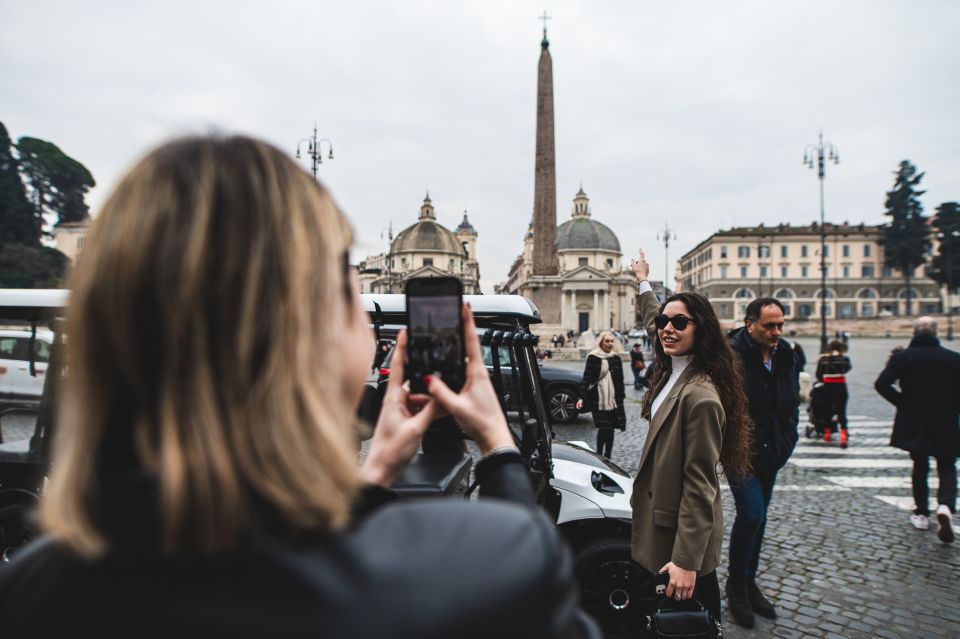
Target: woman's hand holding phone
[(403, 419), (475, 408)]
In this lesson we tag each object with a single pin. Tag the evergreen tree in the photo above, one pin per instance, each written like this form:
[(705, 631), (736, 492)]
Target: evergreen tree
[(31, 266), (945, 268), (19, 222), (906, 238), (58, 182)]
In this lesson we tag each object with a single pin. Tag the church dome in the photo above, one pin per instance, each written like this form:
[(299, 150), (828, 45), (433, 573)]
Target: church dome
[(426, 236), (581, 232), (584, 233)]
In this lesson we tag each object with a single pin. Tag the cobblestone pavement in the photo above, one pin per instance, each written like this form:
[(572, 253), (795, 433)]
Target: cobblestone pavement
[(840, 558)]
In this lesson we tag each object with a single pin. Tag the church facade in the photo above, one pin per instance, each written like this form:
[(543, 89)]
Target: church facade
[(424, 249)]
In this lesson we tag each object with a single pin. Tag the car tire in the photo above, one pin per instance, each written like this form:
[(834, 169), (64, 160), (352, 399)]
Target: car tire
[(562, 404), (613, 589), (15, 529)]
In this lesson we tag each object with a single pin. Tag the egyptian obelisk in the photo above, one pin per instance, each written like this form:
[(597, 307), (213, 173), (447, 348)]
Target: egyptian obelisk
[(544, 286)]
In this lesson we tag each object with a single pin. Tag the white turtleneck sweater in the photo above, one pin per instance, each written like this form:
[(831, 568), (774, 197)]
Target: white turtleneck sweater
[(677, 364)]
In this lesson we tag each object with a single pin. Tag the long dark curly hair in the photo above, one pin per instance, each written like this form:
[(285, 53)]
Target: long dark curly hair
[(714, 359)]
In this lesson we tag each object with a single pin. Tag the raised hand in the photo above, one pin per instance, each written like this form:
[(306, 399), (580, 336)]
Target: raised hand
[(641, 270)]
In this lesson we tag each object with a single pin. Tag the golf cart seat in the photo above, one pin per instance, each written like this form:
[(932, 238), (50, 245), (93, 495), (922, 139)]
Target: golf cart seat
[(434, 475)]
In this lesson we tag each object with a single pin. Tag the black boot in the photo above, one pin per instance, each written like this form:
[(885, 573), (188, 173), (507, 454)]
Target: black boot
[(760, 604), (738, 602)]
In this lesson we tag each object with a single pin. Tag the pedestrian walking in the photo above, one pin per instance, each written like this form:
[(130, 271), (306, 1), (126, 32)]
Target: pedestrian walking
[(773, 396), (210, 484), (832, 369), (928, 406), (602, 391), (698, 417), (637, 365)]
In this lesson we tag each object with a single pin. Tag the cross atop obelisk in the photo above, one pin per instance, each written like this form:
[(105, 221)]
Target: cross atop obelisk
[(544, 17)]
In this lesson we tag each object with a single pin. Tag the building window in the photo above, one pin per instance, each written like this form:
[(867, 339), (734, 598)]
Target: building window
[(786, 310), (723, 251), (866, 250), (743, 272), (610, 263), (743, 293), (428, 261), (846, 271), (763, 251), (846, 309), (846, 250), (887, 271), (803, 251), (723, 272), (804, 310), (866, 309), (743, 251), (866, 270), (804, 271), (582, 261), (763, 271), (826, 271), (783, 271), (826, 250)]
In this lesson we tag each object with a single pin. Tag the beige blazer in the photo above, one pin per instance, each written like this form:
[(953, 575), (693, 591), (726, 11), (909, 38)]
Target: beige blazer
[(677, 511)]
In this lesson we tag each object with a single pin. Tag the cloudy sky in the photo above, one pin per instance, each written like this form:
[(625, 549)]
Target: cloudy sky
[(690, 113)]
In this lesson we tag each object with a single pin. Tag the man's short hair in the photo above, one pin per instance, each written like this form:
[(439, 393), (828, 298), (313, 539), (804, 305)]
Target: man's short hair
[(637, 345), (925, 325), (754, 308)]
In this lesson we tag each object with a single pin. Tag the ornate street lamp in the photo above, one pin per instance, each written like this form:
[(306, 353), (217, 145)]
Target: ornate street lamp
[(315, 150), (814, 153), (666, 235)]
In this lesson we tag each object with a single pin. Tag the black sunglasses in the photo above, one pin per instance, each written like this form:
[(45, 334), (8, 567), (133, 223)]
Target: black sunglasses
[(679, 321)]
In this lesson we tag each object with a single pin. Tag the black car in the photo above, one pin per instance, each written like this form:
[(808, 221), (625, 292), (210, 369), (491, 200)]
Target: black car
[(560, 385)]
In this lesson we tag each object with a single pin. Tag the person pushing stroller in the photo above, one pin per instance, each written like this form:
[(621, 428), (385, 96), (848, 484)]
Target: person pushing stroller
[(830, 396)]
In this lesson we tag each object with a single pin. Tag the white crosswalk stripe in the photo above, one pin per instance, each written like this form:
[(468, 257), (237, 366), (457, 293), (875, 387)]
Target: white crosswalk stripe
[(869, 452)]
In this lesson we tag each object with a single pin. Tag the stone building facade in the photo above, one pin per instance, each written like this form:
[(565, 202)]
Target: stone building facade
[(734, 266), (424, 249)]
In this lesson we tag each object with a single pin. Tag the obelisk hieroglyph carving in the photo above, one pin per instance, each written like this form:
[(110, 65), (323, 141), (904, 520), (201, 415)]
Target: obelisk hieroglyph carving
[(545, 176)]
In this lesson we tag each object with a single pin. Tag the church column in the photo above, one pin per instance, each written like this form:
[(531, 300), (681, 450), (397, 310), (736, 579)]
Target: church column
[(596, 310), (564, 309), (574, 324), (606, 309)]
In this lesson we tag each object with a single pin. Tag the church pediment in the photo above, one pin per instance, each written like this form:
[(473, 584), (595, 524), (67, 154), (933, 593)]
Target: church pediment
[(426, 271), (585, 273)]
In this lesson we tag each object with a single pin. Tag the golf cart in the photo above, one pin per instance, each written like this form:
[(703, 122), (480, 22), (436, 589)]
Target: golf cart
[(26, 428), (586, 494)]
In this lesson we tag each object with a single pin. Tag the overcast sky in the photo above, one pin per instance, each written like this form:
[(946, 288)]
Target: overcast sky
[(692, 114)]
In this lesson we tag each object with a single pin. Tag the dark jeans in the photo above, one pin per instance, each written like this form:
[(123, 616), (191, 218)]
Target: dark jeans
[(605, 442), (752, 496), (636, 377), (838, 402), (946, 493), (707, 592)]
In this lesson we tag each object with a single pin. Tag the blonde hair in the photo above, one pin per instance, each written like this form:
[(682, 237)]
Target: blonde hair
[(617, 346), (200, 317)]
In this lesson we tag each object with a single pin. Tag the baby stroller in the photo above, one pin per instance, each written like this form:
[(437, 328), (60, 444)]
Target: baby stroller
[(820, 412)]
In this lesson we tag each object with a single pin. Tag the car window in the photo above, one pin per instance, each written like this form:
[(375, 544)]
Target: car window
[(8, 347), (488, 357), (41, 350)]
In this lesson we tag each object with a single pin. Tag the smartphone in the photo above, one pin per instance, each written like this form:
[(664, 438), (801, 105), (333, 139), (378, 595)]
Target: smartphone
[(435, 343)]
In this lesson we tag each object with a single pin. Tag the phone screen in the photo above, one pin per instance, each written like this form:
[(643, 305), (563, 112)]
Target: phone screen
[(435, 335)]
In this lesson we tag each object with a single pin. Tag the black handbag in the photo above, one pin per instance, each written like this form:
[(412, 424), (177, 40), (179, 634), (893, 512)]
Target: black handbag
[(682, 620)]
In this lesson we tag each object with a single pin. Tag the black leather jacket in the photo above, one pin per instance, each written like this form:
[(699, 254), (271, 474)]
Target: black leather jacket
[(773, 398), (418, 568)]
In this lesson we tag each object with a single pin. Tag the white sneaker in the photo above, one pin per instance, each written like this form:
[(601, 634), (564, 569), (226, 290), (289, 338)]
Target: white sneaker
[(920, 522), (945, 519)]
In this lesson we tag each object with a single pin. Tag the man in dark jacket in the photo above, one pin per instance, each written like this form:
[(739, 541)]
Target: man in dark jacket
[(773, 395), (926, 423)]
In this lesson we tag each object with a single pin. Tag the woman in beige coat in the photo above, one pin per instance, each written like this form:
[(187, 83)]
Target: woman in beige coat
[(698, 418)]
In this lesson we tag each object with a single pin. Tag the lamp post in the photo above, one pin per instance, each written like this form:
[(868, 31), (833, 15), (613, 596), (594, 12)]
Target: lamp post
[(315, 150), (814, 154), (666, 235)]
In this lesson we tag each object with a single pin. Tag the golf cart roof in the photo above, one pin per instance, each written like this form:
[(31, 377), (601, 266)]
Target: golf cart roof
[(484, 306), (31, 304)]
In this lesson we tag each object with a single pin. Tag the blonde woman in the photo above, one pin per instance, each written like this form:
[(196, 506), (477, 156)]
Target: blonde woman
[(206, 470), (601, 391)]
